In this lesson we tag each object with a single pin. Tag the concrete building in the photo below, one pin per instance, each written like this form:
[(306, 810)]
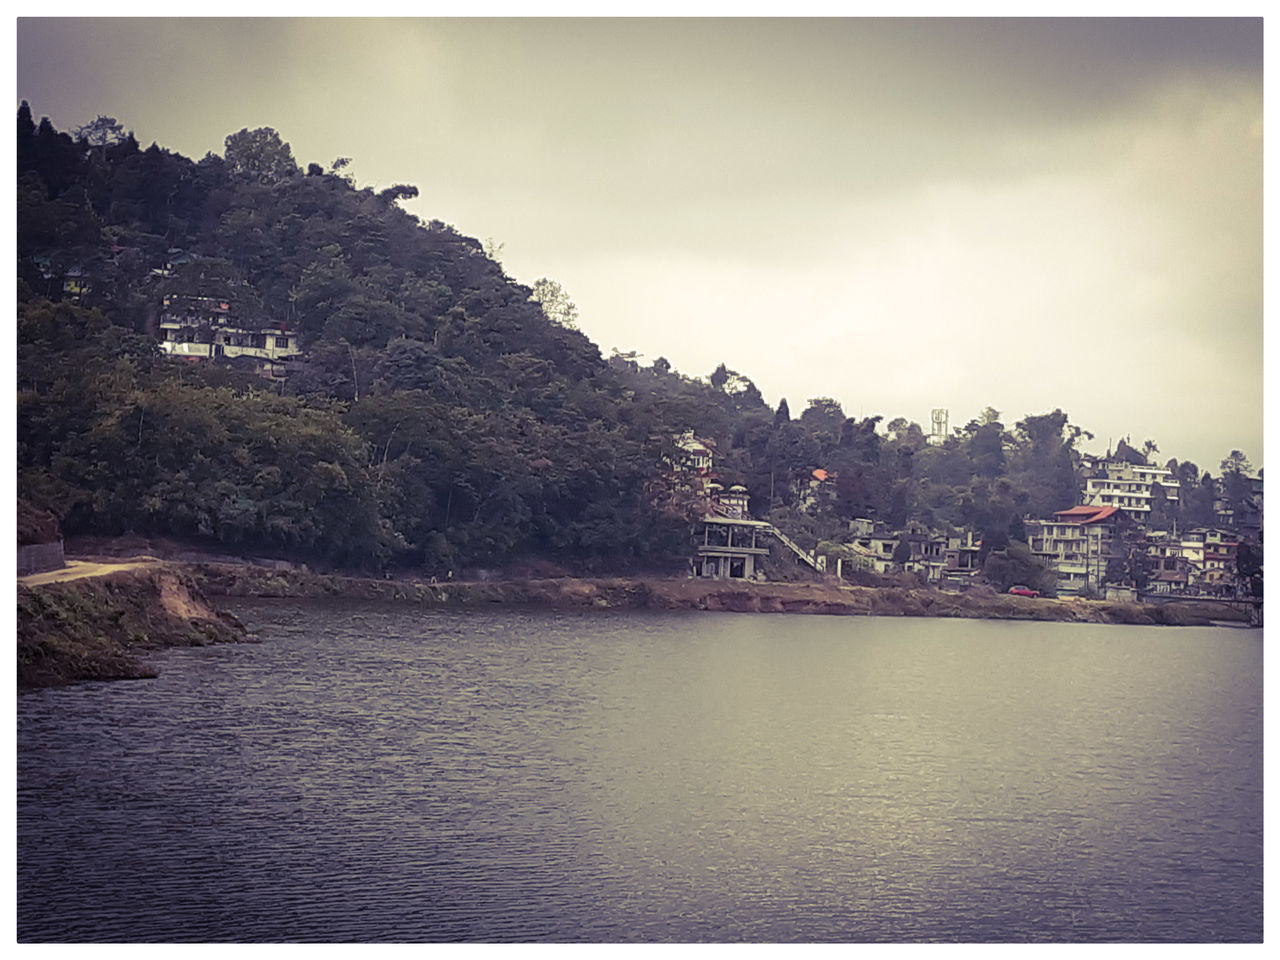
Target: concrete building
[(1220, 549), (728, 543), (731, 548), (1168, 568), (1129, 487), (1078, 544), (202, 328)]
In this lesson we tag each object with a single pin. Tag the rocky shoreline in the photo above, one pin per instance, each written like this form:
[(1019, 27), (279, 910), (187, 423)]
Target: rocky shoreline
[(100, 628)]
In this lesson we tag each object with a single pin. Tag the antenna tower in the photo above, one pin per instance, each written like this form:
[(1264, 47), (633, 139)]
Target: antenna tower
[(941, 422)]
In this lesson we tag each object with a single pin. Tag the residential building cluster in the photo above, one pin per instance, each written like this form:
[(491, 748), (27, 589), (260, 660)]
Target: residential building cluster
[(941, 558), (1104, 545)]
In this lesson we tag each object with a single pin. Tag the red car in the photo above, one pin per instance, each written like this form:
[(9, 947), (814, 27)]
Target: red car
[(1022, 591)]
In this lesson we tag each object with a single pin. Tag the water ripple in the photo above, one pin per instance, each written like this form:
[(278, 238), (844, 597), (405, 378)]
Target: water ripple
[(392, 775)]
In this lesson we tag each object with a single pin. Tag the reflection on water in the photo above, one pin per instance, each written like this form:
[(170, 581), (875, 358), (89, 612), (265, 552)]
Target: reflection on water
[(383, 773)]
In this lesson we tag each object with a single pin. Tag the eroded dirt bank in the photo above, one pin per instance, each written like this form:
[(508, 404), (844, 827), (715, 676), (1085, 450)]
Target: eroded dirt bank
[(99, 627)]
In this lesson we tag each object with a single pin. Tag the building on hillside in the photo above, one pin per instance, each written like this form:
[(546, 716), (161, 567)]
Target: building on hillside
[(873, 549), (1168, 567), (729, 545), (689, 476), (1200, 562), (76, 283), (960, 560), (877, 550), (1090, 464), (818, 491), (696, 454), (1077, 544), (174, 258), (1129, 487), (861, 527), (934, 557), (732, 503), (1217, 553), (202, 328)]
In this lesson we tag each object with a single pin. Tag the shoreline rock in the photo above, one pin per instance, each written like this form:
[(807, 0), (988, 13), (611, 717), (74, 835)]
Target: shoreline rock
[(101, 627)]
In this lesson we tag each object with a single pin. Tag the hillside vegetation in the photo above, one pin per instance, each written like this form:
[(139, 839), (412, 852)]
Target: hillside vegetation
[(443, 416)]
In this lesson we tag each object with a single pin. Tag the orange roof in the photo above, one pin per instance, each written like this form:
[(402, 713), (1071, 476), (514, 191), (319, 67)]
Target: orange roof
[(1087, 514)]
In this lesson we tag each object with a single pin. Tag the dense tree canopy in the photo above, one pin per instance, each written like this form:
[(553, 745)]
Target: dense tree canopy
[(442, 415)]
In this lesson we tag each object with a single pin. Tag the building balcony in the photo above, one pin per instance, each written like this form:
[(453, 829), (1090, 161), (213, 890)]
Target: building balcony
[(723, 550)]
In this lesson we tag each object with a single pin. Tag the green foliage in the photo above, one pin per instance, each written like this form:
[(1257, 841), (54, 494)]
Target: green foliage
[(901, 552), (113, 440), (1138, 568), (555, 303), (442, 416), (1128, 454), (259, 155), (1014, 564)]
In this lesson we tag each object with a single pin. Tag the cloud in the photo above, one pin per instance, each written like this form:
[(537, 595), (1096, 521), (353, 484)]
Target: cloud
[(900, 213)]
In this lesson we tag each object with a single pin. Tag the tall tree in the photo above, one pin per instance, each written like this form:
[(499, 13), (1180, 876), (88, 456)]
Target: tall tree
[(555, 303), (101, 132), (259, 155)]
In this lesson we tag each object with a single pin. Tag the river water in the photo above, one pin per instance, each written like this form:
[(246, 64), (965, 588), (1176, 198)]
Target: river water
[(381, 773)]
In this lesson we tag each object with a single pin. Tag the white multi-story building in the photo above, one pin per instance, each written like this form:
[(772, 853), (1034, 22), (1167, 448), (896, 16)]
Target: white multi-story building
[(201, 328), (1129, 487)]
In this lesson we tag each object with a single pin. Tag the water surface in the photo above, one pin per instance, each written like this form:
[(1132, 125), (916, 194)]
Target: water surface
[(377, 773)]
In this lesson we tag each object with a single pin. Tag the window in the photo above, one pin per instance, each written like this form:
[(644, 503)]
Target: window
[(282, 343)]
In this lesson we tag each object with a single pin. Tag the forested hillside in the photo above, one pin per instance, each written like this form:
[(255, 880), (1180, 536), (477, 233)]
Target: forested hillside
[(440, 418)]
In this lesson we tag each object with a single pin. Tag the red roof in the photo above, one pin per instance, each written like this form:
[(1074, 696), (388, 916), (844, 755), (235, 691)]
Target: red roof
[(1087, 514)]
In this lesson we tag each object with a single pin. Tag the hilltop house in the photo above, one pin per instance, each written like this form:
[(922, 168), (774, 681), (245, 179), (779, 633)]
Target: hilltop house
[(696, 454)]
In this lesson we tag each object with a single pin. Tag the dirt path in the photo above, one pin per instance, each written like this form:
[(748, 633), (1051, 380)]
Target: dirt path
[(76, 569)]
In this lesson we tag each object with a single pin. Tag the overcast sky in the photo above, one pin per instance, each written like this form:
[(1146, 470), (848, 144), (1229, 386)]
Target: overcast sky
[(902, 215)]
